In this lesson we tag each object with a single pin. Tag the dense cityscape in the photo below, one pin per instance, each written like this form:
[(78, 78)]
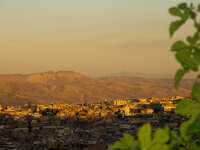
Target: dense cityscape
[(82, 126), (100, 75)]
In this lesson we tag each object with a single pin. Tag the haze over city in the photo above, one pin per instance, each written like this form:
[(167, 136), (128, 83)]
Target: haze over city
[(92, 37)]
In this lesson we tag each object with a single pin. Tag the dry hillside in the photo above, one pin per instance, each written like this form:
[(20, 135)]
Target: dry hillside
[(72, 87)]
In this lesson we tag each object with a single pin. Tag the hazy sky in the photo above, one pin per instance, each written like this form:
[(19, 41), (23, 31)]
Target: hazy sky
[(88, 36)]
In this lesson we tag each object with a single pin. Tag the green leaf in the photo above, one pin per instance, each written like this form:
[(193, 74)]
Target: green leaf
[(144, 136), (192, 6), (159, 147), (179, 45), (182, 148), (194, 128), (194, 39), (175, 11), (192, 14), (193, 146), (187, 107), (184, 127), (190, 40), (175, 140), (164, 133), (179, 75), (182, 6), (196, 92), (196, 54), (126, 143), (184, 57), (174, 26), (198, 9)]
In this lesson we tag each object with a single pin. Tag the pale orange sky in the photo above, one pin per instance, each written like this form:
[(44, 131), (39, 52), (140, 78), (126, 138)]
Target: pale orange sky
[(91, 37)]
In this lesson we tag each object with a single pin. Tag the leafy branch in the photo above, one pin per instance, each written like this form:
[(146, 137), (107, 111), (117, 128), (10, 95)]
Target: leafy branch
[(187, 53)]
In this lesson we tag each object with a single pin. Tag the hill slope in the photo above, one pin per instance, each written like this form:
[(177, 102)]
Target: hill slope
[(72, 87)]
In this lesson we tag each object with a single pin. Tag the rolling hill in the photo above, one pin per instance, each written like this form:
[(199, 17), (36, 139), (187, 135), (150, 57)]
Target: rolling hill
[(73, 87)]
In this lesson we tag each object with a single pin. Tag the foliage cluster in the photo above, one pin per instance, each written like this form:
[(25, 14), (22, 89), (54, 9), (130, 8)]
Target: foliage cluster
[(187, 53)]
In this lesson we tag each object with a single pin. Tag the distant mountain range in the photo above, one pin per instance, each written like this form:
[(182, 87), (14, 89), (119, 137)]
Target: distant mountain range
[(143, 75), (147, 75), (73, 87)]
